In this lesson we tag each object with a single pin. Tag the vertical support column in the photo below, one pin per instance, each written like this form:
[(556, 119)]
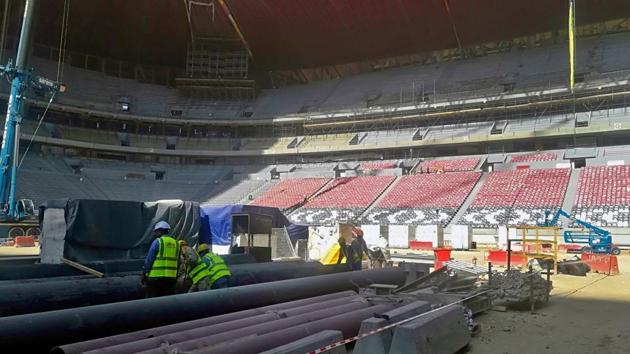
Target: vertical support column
[(524, 240), (489, 273), (509, 253), (538, 248), (532, 302)]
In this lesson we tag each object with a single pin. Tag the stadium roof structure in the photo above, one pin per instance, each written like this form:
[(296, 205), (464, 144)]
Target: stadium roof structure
[(293, 34)]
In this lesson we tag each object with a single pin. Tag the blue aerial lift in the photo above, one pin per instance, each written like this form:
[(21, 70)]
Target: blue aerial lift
[(596, 240), (21, 212)]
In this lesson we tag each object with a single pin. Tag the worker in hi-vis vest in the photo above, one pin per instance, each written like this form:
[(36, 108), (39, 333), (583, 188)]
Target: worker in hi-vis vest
[(219, 272), (196, 270), (159, 274)]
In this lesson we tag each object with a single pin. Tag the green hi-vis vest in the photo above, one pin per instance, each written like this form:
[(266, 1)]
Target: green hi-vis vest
[(199, 272), (165, 264), (216, 266)]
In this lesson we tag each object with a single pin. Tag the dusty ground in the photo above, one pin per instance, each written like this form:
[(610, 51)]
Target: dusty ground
[(584, 315), (18, 251)]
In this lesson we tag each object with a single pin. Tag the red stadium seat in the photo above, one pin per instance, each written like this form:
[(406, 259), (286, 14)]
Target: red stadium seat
[(538, 156), (517, 197), (378, 165), (350, 192), (290, 192), (603, 195), (430, 190), (453, 165)]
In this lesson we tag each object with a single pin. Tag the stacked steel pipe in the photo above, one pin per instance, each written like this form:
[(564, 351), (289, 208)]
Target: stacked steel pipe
[(18, 270), (193, 334), (18, 298), (42, 331)]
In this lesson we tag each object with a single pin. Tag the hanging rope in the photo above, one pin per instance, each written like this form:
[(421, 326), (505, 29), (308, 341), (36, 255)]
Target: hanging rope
[(63, 39)]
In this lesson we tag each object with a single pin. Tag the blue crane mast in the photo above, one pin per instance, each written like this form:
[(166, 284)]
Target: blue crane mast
[(21, 80)]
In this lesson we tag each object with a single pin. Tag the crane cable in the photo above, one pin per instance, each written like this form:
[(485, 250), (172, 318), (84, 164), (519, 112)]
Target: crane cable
[(63, 40), (39, 124)]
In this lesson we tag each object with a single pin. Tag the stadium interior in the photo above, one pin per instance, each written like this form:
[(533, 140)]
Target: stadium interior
[(473, 130), (315, 176)]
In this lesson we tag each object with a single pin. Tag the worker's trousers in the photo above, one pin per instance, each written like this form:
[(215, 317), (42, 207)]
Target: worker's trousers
[(202, 285), (221, 283), (155, 287)]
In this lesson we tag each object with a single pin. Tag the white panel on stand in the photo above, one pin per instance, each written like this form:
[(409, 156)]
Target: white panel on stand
[(372, 236), (430, 233), (503, 236), (399, 236), (53, 236), (461, 237)]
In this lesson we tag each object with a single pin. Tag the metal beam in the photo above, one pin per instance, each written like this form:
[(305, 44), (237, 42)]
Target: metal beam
[(348, 323), (216, 332), (226, 9), (450, 18), (233, 317)]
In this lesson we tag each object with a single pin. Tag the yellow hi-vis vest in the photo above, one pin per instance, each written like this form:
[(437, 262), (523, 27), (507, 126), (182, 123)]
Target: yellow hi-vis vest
[(165, 264), (216, 266), (199, 272)]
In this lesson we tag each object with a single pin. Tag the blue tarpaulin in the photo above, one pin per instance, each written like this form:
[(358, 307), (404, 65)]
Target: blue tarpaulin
[(216, 222)]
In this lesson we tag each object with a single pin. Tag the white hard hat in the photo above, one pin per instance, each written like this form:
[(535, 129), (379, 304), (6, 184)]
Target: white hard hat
[(162, 225)]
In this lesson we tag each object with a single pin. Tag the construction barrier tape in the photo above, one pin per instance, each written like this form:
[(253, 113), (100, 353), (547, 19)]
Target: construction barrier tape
[(378, 330)]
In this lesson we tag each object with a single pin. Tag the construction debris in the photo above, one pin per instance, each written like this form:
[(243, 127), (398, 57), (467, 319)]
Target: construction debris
[(573, 266), (515, 288)]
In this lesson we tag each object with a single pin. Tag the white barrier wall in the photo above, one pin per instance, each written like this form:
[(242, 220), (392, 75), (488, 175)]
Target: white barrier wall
[(399, 236), (430, 233), (373, 237), (460, 237)]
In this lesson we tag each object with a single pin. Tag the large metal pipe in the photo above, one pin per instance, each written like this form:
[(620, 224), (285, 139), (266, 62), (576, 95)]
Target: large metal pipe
[(111, 341), (17, 299), (255, 324), (39, 270), (196, 342), (42, 331), (4, 283), (347, 322), (54, 295)]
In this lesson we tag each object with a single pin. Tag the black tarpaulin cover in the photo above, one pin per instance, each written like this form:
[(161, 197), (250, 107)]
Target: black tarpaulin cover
[(107, 230)]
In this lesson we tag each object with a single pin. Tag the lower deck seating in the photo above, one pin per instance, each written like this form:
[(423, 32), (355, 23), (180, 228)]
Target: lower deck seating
[(410, 216), (325, 216), (378, 165), (423, 199), (451, 165), (603, 196), (517, 197), (537, 156), (290, 192), (344, 199)]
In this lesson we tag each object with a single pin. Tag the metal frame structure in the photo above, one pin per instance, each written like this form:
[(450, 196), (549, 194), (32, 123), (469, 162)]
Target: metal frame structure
[(537, 241)]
